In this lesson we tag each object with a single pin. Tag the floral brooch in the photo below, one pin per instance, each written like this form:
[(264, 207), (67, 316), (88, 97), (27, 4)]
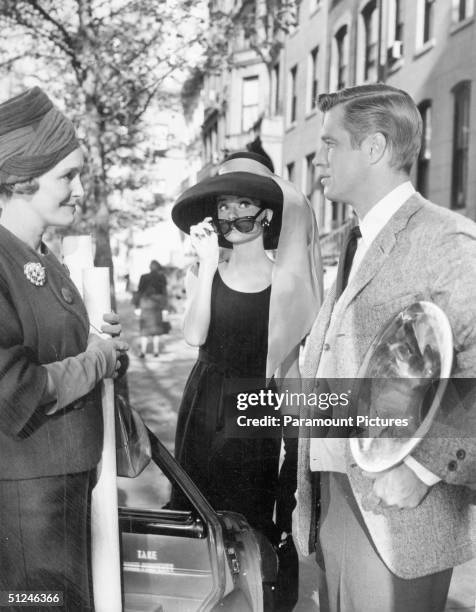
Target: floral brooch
[(35, 273)]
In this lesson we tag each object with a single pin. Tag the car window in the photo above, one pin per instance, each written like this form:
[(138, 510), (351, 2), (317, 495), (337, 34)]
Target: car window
[(151, 489)]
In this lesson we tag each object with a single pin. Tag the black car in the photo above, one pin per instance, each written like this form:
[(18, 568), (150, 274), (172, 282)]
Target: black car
[(194, 559)]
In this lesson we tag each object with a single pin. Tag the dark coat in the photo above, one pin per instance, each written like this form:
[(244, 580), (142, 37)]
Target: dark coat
[(40, 325), (151, 284), (151, 297)]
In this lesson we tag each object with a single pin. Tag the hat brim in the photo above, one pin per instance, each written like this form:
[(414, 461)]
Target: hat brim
[(200, 201)]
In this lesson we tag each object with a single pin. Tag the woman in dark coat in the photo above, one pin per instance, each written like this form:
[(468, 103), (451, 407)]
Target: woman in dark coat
[(50, 366), (150, 300), (245, 315)]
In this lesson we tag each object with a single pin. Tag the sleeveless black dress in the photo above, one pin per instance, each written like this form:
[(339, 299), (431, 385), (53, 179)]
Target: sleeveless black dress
[(237, 474)]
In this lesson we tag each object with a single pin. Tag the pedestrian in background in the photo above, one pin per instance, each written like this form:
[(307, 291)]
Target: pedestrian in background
[(150, 301), (51, 427), (248, 315)]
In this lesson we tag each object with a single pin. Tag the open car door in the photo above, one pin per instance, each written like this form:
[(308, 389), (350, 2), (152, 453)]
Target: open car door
[(190, 560)]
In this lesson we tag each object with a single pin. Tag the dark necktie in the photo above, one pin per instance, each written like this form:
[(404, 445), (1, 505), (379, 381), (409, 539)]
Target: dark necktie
[(346, 258)]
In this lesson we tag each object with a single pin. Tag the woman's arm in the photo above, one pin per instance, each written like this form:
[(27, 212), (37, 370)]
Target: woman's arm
[(74, 377), (142, 284), (137, 294), (196, 322), (26, 385), (163, 284), (22, 384), (199, 286)]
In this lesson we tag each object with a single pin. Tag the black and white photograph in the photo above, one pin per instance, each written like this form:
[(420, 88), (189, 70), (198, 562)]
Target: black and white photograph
[(238, 305)]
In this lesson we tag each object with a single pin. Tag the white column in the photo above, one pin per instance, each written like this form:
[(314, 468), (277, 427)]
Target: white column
[(106, 564), (93, 284)]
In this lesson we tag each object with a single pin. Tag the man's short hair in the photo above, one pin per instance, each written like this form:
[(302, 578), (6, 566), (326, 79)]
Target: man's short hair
[(380, 108)]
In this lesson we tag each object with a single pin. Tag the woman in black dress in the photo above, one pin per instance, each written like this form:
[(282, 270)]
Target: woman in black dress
[(246, 317)]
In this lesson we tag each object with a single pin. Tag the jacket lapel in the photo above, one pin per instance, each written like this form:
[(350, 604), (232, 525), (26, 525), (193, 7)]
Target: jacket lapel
[(60, 284), (379, 250), (375, 257), (56, 275)]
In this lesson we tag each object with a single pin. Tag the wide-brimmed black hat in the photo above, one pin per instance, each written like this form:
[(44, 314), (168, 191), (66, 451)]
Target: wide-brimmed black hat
[(200, 201)]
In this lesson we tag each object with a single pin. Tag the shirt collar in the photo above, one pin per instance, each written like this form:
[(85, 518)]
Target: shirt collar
[(380, 214)]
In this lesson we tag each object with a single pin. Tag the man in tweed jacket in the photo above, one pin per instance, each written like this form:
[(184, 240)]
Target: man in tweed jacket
[(389, 543)]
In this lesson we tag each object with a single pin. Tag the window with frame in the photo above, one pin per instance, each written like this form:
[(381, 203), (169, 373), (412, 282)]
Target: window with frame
[(292, 94), (298, 12), (396, 32), (459, 182), (290, 171), (428, 18), (275, 85), (341, 46), (398, 22), (340, 213), (310, 176), (247, 17), (370, 17), (207, 148), (337, 214), (424, 157), (313, 81), (462, 10), (215, 142), (250, 102)]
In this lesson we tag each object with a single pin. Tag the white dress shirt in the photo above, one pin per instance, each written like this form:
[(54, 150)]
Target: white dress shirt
[(329, 454)]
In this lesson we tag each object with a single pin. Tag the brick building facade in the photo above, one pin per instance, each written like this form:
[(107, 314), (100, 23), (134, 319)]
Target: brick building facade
[(426, 47)]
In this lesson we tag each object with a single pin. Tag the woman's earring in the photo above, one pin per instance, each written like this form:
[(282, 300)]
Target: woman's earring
[(265, 223)]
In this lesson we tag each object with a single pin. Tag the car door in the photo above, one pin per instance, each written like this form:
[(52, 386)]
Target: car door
[(187, 559)]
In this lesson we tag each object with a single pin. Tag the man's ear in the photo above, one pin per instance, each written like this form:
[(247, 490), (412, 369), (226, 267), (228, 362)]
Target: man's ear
[(375, 146)]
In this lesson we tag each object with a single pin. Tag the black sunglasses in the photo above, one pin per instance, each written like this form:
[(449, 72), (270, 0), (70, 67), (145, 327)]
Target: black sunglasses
[(243, 224)]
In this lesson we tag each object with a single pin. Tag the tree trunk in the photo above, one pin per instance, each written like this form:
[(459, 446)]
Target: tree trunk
[(88, 81), (103, 256)]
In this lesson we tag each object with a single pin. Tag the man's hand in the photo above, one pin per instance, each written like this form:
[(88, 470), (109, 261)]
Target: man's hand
[(397, 487)]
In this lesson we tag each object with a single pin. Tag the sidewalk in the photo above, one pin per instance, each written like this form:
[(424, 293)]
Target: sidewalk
[(155, 389)]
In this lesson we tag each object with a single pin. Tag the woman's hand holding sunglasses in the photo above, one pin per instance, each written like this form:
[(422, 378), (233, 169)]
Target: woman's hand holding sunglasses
[(204, 240)]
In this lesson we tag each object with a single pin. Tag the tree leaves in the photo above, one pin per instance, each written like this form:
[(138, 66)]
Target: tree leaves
[(108, 61)]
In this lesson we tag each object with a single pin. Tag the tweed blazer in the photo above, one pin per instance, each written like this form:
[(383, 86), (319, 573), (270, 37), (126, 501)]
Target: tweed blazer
[(423, 252), (40, 325)]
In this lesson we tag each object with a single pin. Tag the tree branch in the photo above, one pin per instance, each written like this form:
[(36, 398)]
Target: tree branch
[(145, 46), (47, 17), (35, 32), (9, 62), (112, 14)]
